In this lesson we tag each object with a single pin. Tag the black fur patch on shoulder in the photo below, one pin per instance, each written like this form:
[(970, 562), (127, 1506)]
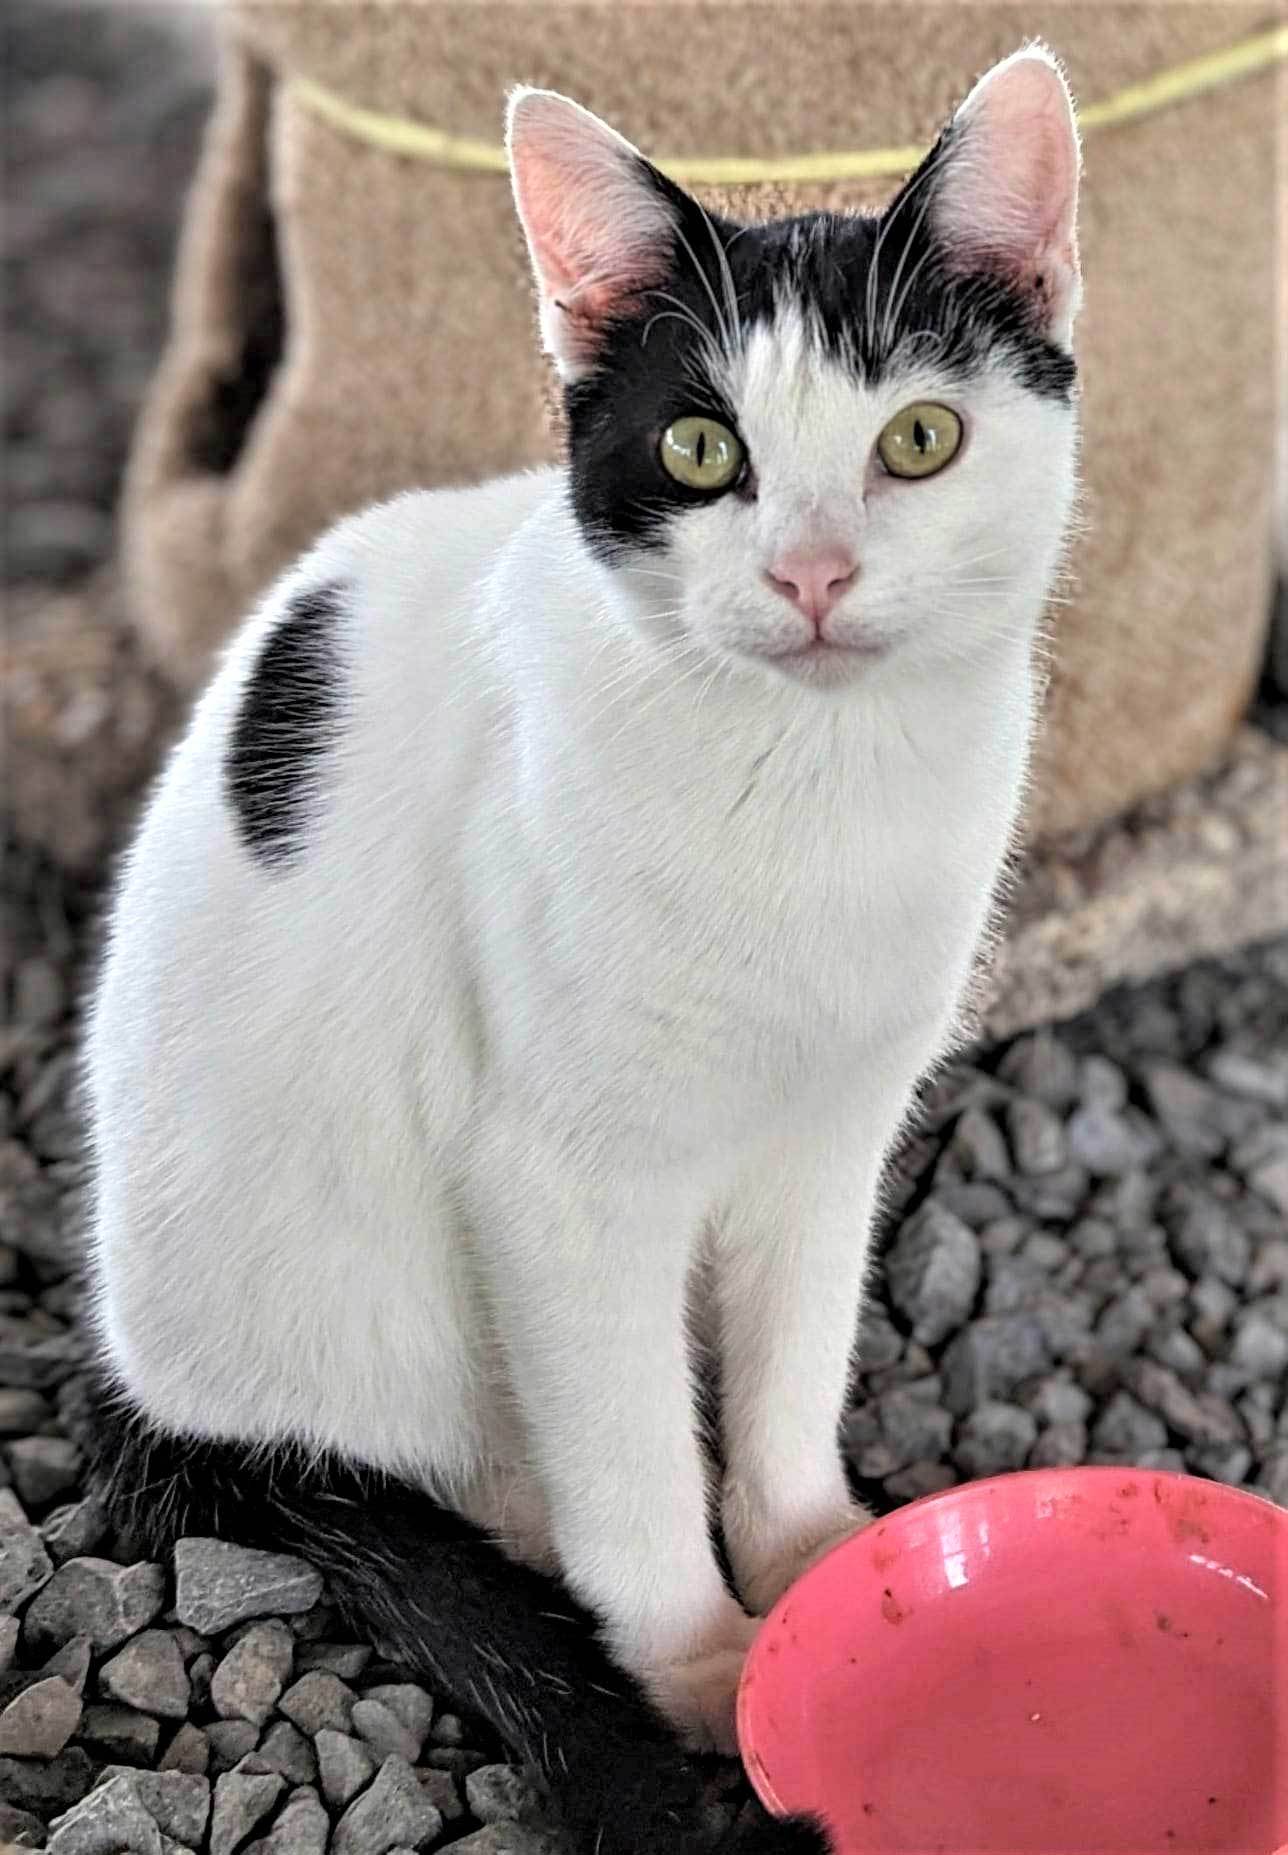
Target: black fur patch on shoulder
[(290, 711)]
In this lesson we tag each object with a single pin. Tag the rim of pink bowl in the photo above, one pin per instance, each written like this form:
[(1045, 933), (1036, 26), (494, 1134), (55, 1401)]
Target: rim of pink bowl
[(755, 1769)]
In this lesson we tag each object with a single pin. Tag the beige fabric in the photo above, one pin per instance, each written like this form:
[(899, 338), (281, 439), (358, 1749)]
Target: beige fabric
[(410, 355)]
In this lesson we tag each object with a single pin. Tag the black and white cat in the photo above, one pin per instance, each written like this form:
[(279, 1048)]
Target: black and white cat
[(530, 952)]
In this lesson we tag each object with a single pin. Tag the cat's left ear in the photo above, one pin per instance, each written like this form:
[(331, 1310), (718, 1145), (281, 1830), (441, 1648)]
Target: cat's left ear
[(600, 220), (1006, 186)]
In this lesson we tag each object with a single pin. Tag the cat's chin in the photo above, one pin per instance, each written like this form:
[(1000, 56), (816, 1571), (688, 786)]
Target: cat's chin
[(827, 666)]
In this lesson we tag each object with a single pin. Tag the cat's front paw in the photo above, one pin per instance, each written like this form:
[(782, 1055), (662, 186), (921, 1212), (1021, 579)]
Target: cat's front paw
[(766, 1561), (698, 1692)]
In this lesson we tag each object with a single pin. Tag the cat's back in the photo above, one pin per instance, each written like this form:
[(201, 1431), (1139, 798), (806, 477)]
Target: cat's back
[(280, 1015)]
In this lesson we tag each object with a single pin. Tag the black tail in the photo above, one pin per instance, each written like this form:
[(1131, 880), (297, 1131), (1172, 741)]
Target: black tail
[(507, 1643)]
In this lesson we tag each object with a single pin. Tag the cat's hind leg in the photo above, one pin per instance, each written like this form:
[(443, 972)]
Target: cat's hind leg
[(507, 1643)]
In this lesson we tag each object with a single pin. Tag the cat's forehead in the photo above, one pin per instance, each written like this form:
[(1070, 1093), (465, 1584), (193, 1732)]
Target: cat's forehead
[(823, 296), (787, 378)]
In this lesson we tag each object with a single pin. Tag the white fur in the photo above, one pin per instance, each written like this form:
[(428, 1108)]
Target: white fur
[(607, 970)]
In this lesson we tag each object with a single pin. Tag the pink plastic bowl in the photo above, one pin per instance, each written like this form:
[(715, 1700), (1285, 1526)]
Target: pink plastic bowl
[(1091, 1661)]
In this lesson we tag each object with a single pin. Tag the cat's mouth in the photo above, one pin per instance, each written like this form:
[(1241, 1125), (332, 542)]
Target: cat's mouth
[(825, 661)]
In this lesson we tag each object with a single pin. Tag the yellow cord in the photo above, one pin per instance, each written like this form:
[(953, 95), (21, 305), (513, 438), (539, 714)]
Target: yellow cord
[(399, 136)]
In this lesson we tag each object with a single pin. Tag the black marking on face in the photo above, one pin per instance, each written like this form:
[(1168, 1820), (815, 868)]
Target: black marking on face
[(874, 291), (288, 717)]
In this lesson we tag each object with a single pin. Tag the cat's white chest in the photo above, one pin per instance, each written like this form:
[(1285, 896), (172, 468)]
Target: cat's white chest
[(704, 963)]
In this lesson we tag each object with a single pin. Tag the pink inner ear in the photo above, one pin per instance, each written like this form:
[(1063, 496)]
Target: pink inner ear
[(1009, 193), (596, 229)]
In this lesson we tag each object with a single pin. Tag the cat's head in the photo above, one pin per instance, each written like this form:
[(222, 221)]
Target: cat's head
[(819, 444)]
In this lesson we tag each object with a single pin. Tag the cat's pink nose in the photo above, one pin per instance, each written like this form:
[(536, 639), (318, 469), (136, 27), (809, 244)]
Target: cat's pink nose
[(813, 582)]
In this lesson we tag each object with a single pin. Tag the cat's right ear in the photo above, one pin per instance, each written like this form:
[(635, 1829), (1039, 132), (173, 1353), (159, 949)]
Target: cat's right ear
[(598, 219)]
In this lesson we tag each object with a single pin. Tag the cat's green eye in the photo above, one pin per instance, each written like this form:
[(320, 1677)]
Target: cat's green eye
[(920, 440), (701, 453)]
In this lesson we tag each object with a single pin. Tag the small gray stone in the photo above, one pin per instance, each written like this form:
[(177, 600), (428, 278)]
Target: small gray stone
[(1060, 1446), (1045, 1251), (1207, 1241), (1037, 1137), (974, 1201), (440, 1788), (1228, 1462), (1261, 1147), (1058, 1400), (8, 1642), (110, 1820), (43, 1468), (1093, 1238), (509, 1839), (1060, 1194), (1260, 1349), (72, 1532), (316, 1700), (1169, 1459), (384, 1732), (95, 1598), (40, 1720), (1274, 1475), (345, 1659), (22, 1412), (1124, 1323), (302, 1828), (188, 1751), (1102, 1083), (1107, 1141), (1214, 1304), (200, 1670), (934, 1271), (24, 1564), (121, 1733), (392, 1812), (502, 1794), (247, 1683), (1257, 1410), (914, 1426), (1271, 1180), (1166, 1287), (242, 1799), (994, 1438), (1042, 1066), (344, 1766), (1003, 1236), (459, 1760), (217, 1584), (71, 1663), (284, 1749), (880, 1345), (32, 1362), (1263, 1079), (39, 992), (991, 1358), (979, 1148), (148, 1673), (178, 1801), (1174, 1348), (230, 1741), (19, 1829), (920, 1478), (1199, 1419), (46, 1786), (1269, 1266), (448, 1730), (1126, 1428), (1186, 1107)]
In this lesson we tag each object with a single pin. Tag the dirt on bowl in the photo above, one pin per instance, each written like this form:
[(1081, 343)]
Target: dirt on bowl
[(1090, 1661)]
